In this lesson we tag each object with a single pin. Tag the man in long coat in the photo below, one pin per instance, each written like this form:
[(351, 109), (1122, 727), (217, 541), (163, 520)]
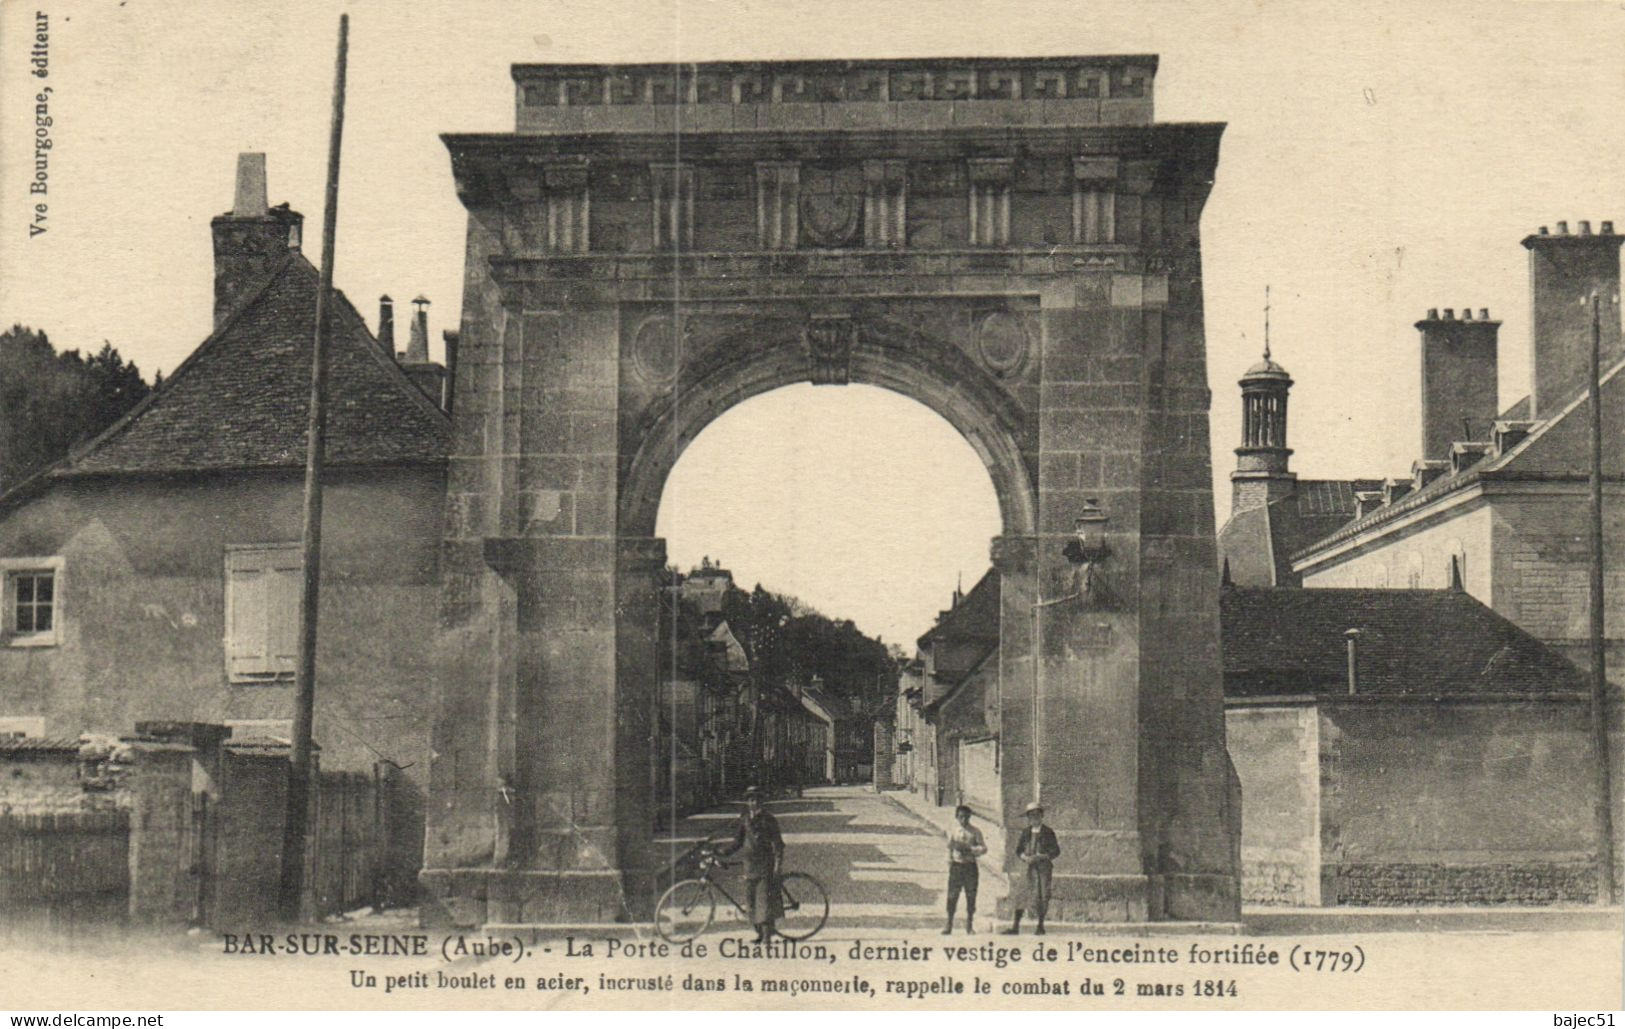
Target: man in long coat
[(759, 837), (1037, 848)]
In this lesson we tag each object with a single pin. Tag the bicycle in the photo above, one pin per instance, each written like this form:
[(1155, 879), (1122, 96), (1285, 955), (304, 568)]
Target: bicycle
[(686, 909)]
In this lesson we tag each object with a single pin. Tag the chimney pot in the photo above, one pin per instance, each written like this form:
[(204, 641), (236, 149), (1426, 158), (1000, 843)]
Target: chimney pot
[(1467, 314), (1562, 228), (1543, 231), (251, 199), (1433, 314), (1585, 228), (417, 345), (1353, 636), (1450, 314), (1483, 314), (1607, 228)]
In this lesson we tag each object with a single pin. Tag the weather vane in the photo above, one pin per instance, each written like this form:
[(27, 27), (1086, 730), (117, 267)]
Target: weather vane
[(1266, 322)]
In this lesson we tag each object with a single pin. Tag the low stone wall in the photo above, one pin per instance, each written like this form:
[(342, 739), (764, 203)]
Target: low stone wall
[(1506, 884)]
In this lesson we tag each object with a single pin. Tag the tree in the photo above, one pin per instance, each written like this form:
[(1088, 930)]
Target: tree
[(50, 402)]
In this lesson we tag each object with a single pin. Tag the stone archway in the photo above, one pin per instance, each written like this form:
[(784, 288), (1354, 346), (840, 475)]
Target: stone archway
[(1013, 243)]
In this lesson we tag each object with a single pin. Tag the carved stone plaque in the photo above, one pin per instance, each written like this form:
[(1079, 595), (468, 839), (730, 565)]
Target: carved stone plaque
[(829, 344), (1002, 342), (656, 351)]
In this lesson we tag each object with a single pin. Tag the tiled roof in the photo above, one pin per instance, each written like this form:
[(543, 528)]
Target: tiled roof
[(39, 744), (1411, 643), (241, 399), (976, 617)]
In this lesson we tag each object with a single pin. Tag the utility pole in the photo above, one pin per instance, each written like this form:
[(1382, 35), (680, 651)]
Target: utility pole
[(296, 825), (1599, 653)]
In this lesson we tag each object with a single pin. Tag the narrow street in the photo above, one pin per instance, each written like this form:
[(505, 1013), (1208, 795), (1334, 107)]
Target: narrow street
[(883, 868)]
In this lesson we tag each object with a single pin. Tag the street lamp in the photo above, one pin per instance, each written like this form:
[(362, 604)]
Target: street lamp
[(1086, 549), (1088, 546)]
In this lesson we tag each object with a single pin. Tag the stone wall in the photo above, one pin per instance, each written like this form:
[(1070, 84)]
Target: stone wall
[(1542, 571), (37, 782), (1276, 750), (1469, 533), (1458, 802)]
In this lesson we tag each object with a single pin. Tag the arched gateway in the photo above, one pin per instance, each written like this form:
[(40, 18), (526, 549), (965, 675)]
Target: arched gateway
[(1013, 243)]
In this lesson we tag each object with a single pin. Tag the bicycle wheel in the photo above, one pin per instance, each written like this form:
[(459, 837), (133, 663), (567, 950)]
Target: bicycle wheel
[(685, 910), (806, 906)]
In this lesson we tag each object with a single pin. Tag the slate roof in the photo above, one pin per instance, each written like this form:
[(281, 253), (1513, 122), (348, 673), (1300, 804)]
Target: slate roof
[(241, 399), (1285, 641), (1259, 542), (1549, 452)]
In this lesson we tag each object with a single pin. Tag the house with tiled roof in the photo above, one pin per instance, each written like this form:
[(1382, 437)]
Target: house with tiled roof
[(1405, 747), (154, 573), (1394, 747), (1499, 499)]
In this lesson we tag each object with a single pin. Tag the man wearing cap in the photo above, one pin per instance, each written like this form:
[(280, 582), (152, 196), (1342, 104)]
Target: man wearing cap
[(1039, 848), (758, 835)]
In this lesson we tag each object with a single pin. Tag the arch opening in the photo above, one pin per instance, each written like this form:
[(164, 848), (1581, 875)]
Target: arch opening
[(985, 418), (859, 501)]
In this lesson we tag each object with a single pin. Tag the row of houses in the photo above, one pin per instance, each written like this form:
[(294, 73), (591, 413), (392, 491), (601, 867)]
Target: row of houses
[(725, 725), (1405, 705)]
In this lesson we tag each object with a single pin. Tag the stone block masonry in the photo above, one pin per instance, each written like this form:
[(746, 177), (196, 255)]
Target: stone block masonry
[(1012, 243)]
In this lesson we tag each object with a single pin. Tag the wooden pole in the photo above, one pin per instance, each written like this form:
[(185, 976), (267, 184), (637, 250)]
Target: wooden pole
[(1599, 653), (296, 826)]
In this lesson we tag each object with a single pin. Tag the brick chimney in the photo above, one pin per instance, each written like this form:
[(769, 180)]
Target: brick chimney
[(1459, 395), (251, 239), (1564, 270)]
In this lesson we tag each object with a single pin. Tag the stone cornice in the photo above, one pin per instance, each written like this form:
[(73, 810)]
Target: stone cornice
[(1183, 156), (604, 278)]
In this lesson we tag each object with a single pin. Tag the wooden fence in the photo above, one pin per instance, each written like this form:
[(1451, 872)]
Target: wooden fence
[(65, 868)]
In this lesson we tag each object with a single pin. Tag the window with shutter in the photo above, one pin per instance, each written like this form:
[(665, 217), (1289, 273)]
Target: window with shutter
[(262, 612)]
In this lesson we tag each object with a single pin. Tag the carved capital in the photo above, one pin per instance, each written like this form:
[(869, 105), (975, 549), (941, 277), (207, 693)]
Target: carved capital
[(565, 176), (640, 555), (1015, 555)]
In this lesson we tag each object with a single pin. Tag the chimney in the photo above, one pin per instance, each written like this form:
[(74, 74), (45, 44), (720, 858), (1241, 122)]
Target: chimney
[(417, 350), (251, 201), (251, 240), (1352, 636), (1459, 379), (1564, 271), (386, 325), (424, 373)]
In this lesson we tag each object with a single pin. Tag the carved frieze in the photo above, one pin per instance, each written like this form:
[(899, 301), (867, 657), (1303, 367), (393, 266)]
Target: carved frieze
[(1127, 77)]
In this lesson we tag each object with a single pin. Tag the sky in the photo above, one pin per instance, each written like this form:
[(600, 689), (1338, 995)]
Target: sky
[(1380, 159)]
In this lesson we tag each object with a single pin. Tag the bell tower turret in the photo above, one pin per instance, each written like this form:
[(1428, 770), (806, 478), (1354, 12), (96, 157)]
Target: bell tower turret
[(1261, 476)]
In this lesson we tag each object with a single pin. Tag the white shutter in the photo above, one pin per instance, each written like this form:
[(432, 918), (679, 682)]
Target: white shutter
[(286, 583), (246, 650), (262, 611)]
